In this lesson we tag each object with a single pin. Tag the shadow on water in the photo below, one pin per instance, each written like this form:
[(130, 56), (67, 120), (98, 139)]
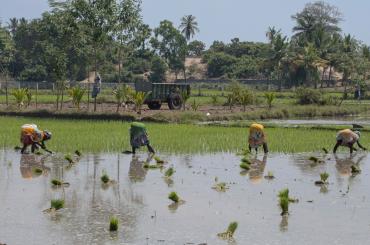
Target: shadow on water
[(138, 198)]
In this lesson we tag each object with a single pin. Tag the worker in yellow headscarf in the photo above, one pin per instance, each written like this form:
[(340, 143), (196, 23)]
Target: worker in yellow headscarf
[(348, 138), (257, 137), (32, 136)]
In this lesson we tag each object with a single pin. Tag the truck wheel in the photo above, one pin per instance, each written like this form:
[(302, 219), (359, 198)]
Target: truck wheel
[(154, 105), (175, 101)]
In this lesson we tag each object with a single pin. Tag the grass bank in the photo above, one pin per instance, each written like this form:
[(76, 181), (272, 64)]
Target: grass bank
[(252, 113), (112, 136)]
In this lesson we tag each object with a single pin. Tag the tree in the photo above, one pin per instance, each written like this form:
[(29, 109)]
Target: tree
[(158, 70), (77, 93), (189, 26), (196, 48), (139, 99), (170, 45), (314, 16), (271, 33), (219, 64)]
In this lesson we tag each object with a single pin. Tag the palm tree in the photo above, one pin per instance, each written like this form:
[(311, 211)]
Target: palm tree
[(271, 33), (189, 26), (13, 25)]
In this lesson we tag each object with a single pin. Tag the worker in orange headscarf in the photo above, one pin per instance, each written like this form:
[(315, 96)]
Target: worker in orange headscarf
[(257, 137), (348, 138), (32, 136)]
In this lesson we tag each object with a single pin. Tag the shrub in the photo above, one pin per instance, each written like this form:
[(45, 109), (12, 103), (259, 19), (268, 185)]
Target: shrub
[(306, 96), (269, 98), (20, 96), (77, 93)]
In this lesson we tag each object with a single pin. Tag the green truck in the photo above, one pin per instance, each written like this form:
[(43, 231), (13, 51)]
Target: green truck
[(158, 93)]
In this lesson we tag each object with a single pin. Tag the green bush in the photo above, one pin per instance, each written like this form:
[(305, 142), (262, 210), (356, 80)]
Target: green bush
[(306, 96)]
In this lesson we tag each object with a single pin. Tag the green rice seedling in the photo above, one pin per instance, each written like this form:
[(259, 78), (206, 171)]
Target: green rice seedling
[(325, 150), (169, 172), (68, 157), (229, 233), (113, 224), (220, 187), (78, 153), (38, 153), (324, 177), (56, 182), (313, 159), (174, 197), (17, 148), (38, 171), (246, 160), (57, 204), (105, 178), (245, 166), (355, 170), (270, 175), (150, 166), (284, 193), (284, 205), (158, 160)]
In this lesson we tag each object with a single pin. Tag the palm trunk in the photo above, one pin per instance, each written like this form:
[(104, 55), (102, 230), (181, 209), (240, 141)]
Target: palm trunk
[(96, 69)]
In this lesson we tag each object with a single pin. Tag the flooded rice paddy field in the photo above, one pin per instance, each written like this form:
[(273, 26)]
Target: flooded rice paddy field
[(336, 214)]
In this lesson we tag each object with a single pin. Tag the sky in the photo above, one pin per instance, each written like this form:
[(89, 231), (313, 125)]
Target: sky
[(222, 19)]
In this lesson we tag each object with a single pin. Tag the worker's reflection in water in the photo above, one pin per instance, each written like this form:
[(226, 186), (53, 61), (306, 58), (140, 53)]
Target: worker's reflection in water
[(257, 169), (344, 164), (137, 172), (32, 166)]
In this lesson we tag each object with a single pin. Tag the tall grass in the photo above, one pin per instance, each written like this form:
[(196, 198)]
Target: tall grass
[(113, 136)]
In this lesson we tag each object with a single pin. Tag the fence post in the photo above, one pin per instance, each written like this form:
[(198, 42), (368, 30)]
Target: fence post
[(37, 92)]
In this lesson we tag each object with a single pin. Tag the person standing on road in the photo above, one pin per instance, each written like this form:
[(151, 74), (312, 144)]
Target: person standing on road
[(257, 137)]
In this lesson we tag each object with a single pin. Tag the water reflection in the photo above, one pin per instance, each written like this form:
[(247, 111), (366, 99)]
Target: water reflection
[(137, 172), (33, 166), (257, 169)]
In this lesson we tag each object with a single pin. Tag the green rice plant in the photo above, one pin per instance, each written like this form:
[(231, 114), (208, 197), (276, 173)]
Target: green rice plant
[(246, 160), (324, 177), (151, 166), (105, 178), (245, 166), (284, 205), (78, 153), (313, 159), (113, 224), (138, 99), (76, 93), (174, 197), (194, 105), (158, 160), (17, 148), (20, 96), (229, 233), (270, 175), (270, 97), (56, 182), (220, 187), (38, 171), (355, 170), (284, 194), (325, 150), (57, 204), (169, 172), (69, 158)]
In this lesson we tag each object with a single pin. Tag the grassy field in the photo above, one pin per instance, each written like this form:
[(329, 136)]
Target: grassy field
[(112, 136)]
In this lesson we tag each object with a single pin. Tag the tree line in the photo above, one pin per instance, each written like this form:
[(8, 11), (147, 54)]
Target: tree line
[(110, 37)]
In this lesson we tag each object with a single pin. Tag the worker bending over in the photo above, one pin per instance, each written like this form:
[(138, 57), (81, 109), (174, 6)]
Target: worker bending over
[(257, 137), (32, 136), (139, 137), (348, 138)]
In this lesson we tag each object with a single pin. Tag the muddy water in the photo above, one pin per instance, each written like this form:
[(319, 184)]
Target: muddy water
[(336, 214)]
